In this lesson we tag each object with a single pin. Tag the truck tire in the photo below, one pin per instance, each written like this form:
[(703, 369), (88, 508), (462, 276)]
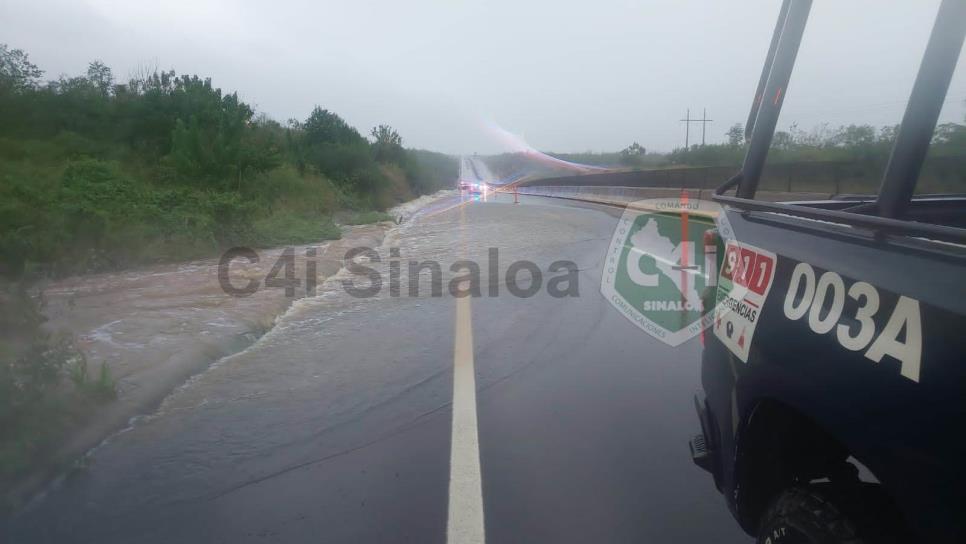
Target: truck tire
[(830, 514)]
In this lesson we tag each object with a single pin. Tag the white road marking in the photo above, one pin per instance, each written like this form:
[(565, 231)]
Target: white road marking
[(465, 520)]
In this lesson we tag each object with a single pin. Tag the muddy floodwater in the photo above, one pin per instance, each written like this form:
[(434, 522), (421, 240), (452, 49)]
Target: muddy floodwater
[(156, 327)]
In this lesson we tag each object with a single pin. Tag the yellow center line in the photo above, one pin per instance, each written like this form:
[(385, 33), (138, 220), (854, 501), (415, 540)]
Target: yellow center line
[(465, 515)]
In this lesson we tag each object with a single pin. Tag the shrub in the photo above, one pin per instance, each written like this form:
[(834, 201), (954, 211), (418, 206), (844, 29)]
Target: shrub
[(283, 228), (36, 405)]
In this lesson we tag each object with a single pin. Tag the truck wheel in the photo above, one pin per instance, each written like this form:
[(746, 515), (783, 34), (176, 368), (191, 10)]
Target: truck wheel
[(828, 514)]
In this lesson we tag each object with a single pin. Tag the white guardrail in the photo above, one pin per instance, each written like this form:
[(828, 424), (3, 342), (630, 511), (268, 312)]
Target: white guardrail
[(620, 196)]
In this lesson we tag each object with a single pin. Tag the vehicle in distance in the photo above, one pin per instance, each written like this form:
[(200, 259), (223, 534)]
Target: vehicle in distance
[(834, 385), (474, 187)]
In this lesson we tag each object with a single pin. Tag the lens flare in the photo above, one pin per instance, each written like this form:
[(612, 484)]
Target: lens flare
[(517, 144)]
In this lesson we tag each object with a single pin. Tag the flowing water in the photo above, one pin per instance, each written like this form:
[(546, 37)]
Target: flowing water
[(155, 327)]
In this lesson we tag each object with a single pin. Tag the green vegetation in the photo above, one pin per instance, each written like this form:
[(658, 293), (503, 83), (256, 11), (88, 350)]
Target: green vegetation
[(824, 143), (46, 385), (97, 175), (847, 159), (863, 144)]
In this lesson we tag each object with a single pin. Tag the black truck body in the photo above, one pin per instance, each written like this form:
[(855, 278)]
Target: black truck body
[(851, 354)]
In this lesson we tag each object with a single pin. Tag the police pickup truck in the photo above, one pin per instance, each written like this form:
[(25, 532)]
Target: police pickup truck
[(834, 380)]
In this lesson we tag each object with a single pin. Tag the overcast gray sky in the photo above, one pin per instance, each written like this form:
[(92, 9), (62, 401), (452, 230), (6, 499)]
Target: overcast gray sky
[(568, 76)]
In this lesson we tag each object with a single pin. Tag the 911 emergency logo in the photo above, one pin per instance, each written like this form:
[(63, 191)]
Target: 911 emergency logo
[(661, 263), (746, 277)]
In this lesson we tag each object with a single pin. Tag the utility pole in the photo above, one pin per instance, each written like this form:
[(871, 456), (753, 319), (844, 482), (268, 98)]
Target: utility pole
[(704, 124), (687, 129), (687, 123)]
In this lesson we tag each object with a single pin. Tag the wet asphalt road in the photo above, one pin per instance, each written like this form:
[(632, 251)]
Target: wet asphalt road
[(336, 426)]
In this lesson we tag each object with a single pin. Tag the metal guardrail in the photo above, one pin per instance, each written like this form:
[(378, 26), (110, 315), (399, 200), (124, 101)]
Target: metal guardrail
[(939, 175), (621, 196)]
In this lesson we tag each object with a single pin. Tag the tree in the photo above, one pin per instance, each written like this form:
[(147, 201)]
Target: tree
[(819, 136), (324, 126), (950, 133), (855, 136), (633, 155), (736, 135), (887, 134), (782, 140), (386, 144), (335, 149), (210, 133), (635, 149), (100, 76), (17, 73), (385, 135)]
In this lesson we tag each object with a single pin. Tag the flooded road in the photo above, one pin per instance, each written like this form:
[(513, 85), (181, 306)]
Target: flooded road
[(334, 426)]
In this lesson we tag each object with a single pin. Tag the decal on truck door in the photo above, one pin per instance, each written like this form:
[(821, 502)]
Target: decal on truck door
[(746, 277)]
